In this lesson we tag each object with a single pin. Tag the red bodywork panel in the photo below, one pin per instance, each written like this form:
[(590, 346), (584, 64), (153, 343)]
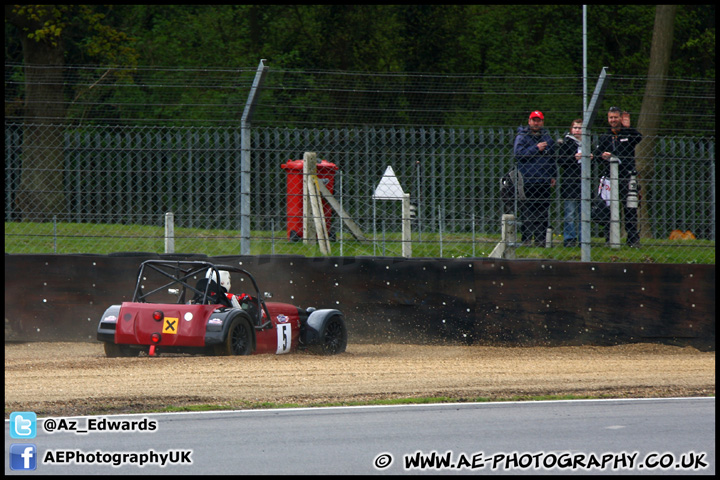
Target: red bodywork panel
[(182, 325), (185, 326), (284, 335)]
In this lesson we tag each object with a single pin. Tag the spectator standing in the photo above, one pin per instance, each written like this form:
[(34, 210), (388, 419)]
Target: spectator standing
[(570, 161), (533, 150), (620, 141)]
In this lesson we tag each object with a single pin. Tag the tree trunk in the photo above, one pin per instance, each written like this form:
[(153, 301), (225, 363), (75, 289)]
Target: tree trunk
[(41, 193), (652, 105)]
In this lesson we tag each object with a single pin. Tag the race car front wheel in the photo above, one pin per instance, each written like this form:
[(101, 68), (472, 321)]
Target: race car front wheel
[(333, 338), (239, 340)]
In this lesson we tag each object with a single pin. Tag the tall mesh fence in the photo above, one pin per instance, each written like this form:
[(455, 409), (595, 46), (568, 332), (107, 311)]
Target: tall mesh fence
[(151, 142)]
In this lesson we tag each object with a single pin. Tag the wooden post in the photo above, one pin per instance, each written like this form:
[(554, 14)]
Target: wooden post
[(314, 226), (309, 168), (354, 228), (319, 215)]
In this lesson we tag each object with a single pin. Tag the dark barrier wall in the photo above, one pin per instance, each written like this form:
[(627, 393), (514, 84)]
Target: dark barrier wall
[(481, 301)]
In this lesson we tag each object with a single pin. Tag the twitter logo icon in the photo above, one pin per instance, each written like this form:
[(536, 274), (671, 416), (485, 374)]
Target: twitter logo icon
[(23, 424)]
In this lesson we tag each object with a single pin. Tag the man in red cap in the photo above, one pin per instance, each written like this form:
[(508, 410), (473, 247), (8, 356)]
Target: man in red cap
[(533, 150)]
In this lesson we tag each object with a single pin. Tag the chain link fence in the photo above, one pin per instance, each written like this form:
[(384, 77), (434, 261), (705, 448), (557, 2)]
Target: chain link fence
[(96, 184)]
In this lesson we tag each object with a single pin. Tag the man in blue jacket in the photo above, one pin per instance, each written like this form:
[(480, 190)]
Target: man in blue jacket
[(533, 150)]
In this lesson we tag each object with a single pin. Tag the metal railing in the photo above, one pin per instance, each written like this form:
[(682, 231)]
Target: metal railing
[(131, 176), (97, 184)]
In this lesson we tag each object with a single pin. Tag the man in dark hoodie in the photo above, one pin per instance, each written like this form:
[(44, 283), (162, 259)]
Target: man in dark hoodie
[(533, 149)]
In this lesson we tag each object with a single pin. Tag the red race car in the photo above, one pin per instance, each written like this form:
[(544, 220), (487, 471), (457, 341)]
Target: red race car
[(187, 307)]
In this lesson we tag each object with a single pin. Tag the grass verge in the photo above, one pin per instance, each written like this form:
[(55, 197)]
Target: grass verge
[(393, 401), (74, 238)]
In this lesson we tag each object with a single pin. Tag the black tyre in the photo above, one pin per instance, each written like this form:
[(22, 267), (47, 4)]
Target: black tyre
[(239, 340), (113, 350), (333, 339)]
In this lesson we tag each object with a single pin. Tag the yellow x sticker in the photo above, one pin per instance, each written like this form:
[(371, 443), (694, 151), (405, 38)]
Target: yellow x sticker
[(170, 325)]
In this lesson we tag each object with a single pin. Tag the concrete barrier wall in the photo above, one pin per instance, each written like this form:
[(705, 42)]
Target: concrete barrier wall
[(480, 301)]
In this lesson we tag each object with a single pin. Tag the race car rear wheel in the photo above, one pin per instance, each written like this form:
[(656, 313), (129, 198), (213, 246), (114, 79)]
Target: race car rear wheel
[(239, 340), (334, 338)]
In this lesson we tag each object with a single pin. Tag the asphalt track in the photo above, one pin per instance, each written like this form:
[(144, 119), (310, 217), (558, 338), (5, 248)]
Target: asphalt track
[(626, 436)]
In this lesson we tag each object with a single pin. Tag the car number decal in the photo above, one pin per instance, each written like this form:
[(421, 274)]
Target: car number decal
[(170, 325), (284, 338)]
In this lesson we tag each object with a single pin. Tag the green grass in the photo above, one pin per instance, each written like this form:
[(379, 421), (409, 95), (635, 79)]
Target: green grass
[(244, 405), (67, 238)]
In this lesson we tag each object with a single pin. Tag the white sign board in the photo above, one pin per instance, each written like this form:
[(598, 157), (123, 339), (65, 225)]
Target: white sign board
[(389, 188)]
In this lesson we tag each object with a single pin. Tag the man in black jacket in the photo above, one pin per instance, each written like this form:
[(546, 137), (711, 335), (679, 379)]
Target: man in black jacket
[(620, 141), (569, 159)]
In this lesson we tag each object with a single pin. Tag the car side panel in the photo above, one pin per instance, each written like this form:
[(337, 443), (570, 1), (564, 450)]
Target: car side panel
[(284, 335)]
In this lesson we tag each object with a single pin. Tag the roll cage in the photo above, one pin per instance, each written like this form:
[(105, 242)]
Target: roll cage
[(181, 278)]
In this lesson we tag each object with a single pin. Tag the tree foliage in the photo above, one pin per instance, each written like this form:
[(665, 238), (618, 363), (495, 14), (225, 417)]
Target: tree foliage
[(477, 39), (517, 42)]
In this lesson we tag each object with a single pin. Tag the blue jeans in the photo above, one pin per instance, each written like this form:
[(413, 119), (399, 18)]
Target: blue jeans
[(571, 227)]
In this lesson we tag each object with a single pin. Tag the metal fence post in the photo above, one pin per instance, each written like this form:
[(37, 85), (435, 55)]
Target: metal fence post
[(586, 195), (245, 159)]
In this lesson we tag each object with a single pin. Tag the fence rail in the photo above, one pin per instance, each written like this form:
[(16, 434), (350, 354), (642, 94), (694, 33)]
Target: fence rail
[(131, 176), (131, 150)]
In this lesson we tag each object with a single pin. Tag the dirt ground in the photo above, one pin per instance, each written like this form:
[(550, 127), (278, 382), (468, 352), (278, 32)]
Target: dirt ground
[(61, 379)]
